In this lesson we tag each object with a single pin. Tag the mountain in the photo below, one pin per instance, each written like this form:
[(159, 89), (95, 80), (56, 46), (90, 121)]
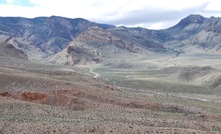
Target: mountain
[(192, 33), (51, 34), (79, 41), (138, 37), (31, 51), (135, 79), (8, 50), (93, 46), (195, 31)]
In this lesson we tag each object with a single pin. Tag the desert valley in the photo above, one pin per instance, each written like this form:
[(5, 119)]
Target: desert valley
[(62, 75)]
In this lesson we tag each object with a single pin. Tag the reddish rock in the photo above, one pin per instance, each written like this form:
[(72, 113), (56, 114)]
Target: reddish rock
[(6, 94)]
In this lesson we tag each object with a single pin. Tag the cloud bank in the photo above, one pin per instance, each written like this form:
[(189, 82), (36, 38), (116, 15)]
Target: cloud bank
[(153, 14)]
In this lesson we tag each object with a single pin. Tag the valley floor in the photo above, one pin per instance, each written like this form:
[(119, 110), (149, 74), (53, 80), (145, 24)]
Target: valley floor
[(47, 98)]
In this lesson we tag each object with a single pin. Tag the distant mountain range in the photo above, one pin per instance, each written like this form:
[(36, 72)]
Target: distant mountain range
[(79, 41)]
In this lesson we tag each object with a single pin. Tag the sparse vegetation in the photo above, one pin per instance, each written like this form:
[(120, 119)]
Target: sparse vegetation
[(64, 99), (147, 81)]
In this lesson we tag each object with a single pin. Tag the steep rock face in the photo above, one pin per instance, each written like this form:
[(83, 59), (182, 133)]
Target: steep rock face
[(75, 54), (81, 55)]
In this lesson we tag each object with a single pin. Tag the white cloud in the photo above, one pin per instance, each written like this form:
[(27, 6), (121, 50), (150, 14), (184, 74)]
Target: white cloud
[(11, 1), (214, 5), (149, 13)]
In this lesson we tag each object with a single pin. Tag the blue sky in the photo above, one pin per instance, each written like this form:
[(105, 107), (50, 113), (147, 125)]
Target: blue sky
[(17, 2), (152, 14)]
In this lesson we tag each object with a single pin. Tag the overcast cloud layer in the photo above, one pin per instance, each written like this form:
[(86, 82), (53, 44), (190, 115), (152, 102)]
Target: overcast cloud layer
[(152, 14)]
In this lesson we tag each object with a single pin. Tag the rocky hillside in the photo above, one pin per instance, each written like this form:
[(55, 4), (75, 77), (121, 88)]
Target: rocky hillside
[(93, 46), (79, 41), (139, 37), (195, 31), (51, 34), (21, 45), (8, 50)]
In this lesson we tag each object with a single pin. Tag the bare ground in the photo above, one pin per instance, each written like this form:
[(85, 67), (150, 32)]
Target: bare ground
[(58, 100)]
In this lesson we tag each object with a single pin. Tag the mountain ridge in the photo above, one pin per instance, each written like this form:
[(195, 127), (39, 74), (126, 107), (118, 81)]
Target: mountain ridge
[(46, 37), (51, 34)]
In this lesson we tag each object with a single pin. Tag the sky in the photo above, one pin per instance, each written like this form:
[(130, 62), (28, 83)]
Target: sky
[(151, 14)]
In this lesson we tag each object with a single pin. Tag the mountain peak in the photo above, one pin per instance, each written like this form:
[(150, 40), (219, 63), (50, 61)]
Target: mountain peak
[(194, 16), (197, 19)]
